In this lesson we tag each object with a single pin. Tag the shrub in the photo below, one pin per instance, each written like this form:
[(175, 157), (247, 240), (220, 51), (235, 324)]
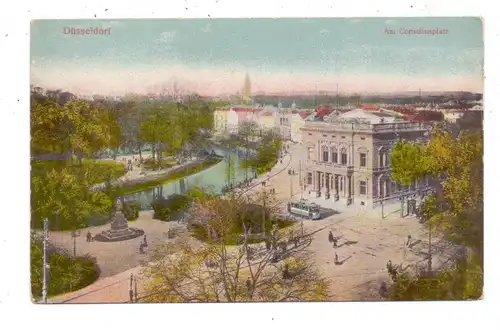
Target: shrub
[(166, 208), (131, 210), (66, 273), (251, 216)]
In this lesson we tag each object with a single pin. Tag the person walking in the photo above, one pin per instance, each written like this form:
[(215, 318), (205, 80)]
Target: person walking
[(336, 261), (89, 236), (330, 237), (335, 240)]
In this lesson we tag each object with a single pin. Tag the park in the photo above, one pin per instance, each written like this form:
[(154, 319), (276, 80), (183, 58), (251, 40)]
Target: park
[(144, 191)]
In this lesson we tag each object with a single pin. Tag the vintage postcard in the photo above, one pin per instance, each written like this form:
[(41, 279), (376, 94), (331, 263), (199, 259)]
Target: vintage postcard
[(256, 160)]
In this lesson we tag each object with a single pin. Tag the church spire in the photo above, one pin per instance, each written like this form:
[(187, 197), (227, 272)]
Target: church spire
[(247, 90)]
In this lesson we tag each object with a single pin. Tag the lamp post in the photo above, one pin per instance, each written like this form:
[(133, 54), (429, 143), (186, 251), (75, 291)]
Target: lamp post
[(46, 266), (130, 290), (402, 199), (263, 207), (300, 180), (74, 235)]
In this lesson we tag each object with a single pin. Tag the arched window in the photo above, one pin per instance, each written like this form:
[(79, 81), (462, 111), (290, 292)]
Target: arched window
[(343, 156), (325, 153), (335, 155)]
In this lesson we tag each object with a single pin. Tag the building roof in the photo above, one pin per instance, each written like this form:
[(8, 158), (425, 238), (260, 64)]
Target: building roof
[(381, 114), (304, 114), (222, 109), (266, 114), (368, 107), (399, 108), (245, 110)]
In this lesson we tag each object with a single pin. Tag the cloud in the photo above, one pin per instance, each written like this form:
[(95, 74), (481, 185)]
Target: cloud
[(166, 37), (89, 79)]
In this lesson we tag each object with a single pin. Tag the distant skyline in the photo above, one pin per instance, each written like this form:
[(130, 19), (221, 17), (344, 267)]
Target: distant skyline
[(212, 56)]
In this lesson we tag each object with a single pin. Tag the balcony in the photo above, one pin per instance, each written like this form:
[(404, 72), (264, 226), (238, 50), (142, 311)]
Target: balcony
[(325, 166), (366, 128)]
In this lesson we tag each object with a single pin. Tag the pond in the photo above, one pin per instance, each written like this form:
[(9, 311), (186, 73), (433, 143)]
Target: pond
[(212, 179)]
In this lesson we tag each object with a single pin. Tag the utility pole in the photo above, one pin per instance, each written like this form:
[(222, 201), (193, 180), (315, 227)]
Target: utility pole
[(130, 290), (429, 261), (382, 204), (74, 235), (263, 207), (300, 179), (135, 289), (45, 259)]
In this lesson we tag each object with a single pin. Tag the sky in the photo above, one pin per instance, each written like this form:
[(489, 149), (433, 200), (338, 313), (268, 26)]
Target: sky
[(212, 56)]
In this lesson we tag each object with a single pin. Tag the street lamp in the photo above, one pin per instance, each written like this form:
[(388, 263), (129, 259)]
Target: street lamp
[(402, 200), (46, 265), (263, 207), (74, 235)]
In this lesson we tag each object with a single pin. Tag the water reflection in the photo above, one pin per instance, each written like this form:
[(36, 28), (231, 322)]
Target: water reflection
[(212, 179)]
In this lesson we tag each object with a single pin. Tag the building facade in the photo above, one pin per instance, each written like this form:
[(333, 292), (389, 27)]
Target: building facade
[(347, 158), (283, 122), (220, 121), (298, 122), (266, 120), (237, 115)]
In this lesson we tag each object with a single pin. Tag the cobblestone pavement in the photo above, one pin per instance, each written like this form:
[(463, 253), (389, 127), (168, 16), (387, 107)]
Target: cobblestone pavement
[(366, 243)]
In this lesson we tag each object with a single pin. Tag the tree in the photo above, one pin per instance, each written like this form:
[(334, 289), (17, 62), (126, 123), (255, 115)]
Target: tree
[(73, 128), (408, 162), (246, 132), (216, 272), (65, 200), (456, 211), (463, 281), (230, 169)]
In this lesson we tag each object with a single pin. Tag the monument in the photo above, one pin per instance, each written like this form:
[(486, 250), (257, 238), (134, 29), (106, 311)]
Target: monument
[(119, 230)]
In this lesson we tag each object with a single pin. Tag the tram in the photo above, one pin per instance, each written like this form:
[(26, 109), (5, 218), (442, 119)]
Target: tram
[(304, 208)]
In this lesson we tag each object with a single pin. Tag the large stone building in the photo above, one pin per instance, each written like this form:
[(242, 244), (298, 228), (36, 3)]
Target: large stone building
[(347, 157), (220, 121), (298, 122), (283, 122)]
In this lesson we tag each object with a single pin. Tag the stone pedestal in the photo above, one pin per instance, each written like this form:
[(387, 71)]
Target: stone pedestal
[(119, 230)]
